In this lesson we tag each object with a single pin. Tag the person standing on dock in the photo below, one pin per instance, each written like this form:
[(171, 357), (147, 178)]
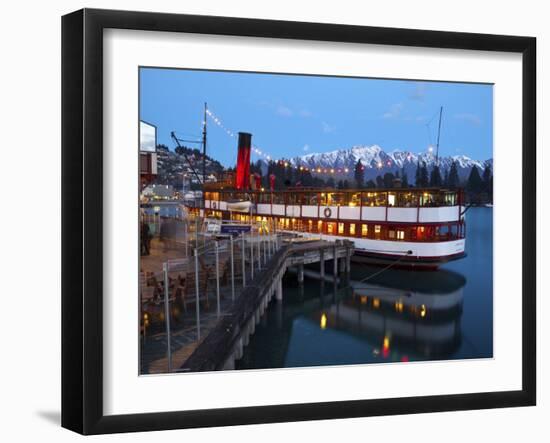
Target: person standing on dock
[(145, 238)]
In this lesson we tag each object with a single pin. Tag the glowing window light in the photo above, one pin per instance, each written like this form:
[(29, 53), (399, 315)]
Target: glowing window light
[(352, 229), (399, 306), (423, 311), (376, 303), (340, 228), (364, 230)]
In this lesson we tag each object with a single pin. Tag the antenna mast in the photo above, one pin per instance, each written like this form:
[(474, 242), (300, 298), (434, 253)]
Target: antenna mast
[(438, 134)]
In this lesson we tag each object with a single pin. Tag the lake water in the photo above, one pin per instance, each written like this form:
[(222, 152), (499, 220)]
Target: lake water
[(398, 315)]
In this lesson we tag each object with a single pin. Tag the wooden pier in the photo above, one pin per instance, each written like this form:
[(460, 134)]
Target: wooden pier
[(225, 343)]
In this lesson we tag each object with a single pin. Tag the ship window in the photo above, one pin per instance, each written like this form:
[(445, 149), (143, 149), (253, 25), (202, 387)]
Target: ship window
[(391, 199), (331, 227), (320, 226), (352, 229), (354, 199), (400, 235), (407, 199), (340, 228), (364, 230), (377, 230), (391, 234)]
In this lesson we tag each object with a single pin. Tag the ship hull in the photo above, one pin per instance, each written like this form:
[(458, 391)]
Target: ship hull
[(401, 254)]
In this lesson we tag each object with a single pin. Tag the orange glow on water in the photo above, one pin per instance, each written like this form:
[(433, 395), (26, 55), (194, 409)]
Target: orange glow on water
[(323, 321)]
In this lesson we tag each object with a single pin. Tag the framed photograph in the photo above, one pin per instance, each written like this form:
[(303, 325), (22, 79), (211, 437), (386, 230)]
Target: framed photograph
[(269, 221)]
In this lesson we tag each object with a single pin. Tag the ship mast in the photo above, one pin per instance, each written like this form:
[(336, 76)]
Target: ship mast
[(438, 134)]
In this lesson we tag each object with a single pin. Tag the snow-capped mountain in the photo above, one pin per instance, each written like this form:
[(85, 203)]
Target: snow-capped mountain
[(377, 162)]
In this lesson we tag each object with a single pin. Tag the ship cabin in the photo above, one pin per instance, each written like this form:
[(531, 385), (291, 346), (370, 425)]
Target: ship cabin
[(394, 214)]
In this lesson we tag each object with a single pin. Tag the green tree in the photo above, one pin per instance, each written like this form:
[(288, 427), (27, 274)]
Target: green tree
[(404, 178), (474, 185), (453, 181), (487, 178), (435, 177), (422, 178), (359, 174), (388, 180)]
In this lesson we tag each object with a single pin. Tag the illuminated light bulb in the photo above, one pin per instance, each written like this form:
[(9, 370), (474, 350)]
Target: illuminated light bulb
[(379, 164), (332, 171), (346, 170), (423, 311)]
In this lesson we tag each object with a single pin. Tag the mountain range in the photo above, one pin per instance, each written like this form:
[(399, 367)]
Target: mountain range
[(377, 162)]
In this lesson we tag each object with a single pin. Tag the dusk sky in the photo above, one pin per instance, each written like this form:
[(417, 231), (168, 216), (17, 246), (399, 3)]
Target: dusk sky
[(291, 115)]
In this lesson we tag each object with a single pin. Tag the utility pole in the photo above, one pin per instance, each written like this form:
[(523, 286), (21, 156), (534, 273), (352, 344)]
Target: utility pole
[(438, 134), (204, 146)]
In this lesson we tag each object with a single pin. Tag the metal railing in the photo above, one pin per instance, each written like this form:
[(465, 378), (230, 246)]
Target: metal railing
[(181, 304)]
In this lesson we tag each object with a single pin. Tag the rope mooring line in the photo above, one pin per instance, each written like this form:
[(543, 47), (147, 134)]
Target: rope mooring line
[(406, 253)]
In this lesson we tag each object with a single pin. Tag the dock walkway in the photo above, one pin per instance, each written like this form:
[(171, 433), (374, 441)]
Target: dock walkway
[(224, 343)]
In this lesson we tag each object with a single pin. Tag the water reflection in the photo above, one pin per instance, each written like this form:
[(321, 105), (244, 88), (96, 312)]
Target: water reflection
[(400, 316), (403, 321)]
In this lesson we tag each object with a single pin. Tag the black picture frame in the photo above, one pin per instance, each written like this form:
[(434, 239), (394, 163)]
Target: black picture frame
[(82, 215)]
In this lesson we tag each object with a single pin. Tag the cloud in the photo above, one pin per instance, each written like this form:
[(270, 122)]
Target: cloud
[(284, 111), (306, 148), (419, 92), (469, 118), (394, 112), (327, 128)]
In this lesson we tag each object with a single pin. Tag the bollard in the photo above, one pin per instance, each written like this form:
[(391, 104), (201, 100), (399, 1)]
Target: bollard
[(232, 269), (167, 316), (217, 251), (197, 307)]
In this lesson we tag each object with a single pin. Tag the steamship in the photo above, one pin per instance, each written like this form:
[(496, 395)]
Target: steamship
[(413, 226)]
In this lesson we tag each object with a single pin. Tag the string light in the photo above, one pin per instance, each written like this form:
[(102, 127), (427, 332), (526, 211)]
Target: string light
[(263, 154)]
